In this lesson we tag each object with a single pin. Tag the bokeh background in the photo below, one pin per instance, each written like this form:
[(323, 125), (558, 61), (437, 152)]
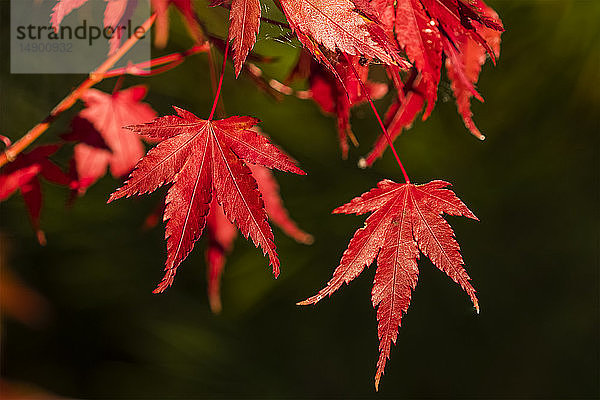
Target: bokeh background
[(93, 329)]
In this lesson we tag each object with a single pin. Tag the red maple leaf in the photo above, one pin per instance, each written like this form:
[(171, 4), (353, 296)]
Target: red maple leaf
[(405, 220), (22, 175), (459, 17), (116, 15), (206, 159), (106, 142)]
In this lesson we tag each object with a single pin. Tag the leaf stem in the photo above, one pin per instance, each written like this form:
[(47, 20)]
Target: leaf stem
[(213, 79), (220, 86), (94, 77), (381, 124)]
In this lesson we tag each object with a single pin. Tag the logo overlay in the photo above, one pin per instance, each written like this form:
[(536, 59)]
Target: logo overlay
[(79, 41)]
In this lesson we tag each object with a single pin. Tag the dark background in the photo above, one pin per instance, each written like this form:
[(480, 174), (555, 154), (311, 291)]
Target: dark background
[(533, 257)]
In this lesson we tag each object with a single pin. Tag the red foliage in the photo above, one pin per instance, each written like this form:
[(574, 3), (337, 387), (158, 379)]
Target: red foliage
[(206, 159), (103, 139), (405, 219), (218, 170)]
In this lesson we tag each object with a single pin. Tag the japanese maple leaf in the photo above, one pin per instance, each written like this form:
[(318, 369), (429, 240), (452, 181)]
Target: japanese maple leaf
[(22, 175), (338, 95), (117, 146), (405, 220), (222, 233), (206, 160), (340, 25)]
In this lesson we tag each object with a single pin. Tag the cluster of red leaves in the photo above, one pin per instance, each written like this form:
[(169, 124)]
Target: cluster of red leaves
[(218, 171), (463, 32), (406, 218), (101, 141)]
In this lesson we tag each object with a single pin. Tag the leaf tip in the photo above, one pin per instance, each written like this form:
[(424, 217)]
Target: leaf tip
[(162, 287), (114, 196), (299, 171), (166, 283), (238, 70), (311, 300), (307, 239), (215, 304), (133, 128), (41, 237)]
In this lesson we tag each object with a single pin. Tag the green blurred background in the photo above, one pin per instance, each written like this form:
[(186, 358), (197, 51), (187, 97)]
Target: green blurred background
[(533, 257)]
